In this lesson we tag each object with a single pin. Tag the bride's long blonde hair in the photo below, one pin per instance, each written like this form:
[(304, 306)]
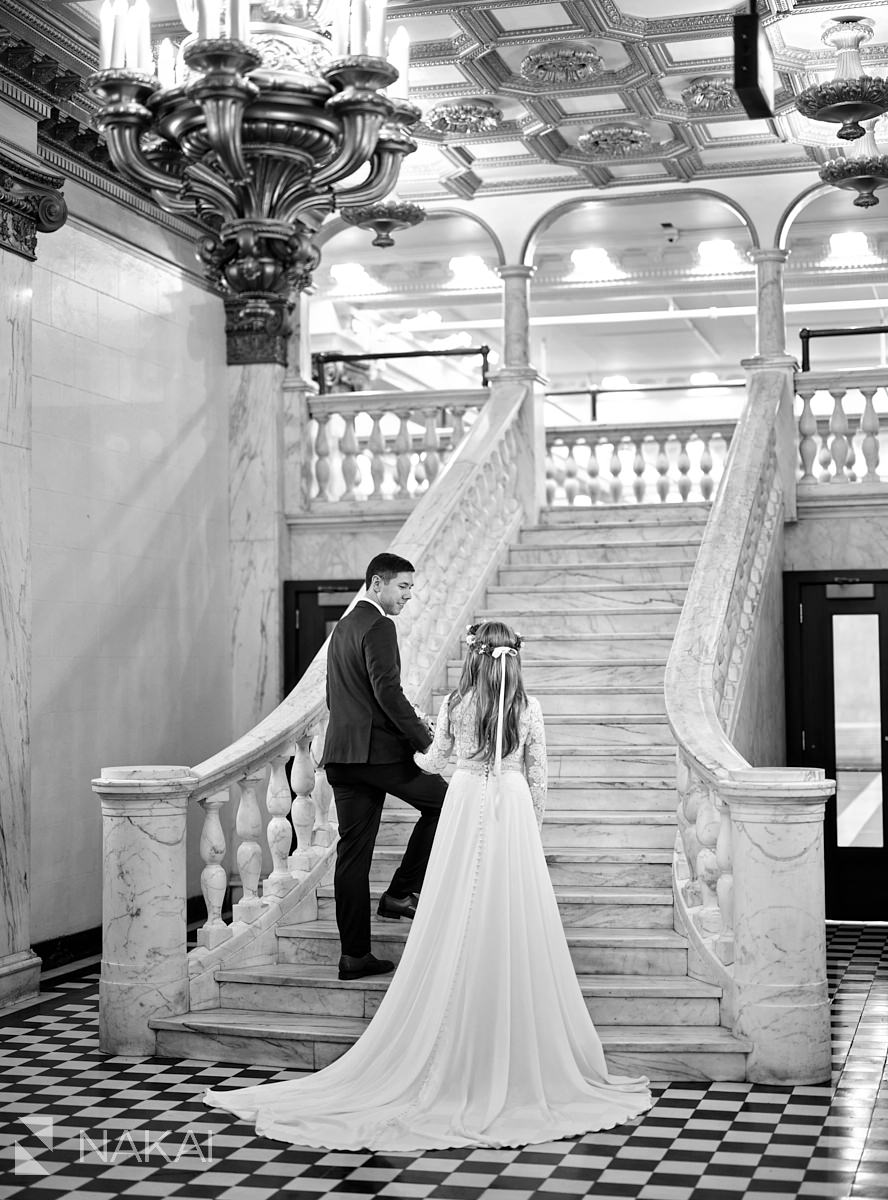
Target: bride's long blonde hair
[(481, 675)]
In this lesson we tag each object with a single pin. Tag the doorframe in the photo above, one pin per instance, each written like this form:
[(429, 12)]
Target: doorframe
[(294, 589)]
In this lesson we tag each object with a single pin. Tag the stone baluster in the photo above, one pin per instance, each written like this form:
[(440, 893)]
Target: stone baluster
[(213, 877), (853, 426), (571, 470), (807, 436), (684, 467), (404, 457), (324, 831), (458, 427), (708, 919), (824, 456), (431, 445), (322, 458), (554, 476), (593, 470), (663, 484), (639, 487), (302, 810), (248, 826), (838, 427), (616, 466), (724, 945), (707, 483), (277, 801), (351, 468), (869, 425), (376, 446)]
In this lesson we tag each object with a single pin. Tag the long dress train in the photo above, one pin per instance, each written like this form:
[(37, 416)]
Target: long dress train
[(483, 1037)]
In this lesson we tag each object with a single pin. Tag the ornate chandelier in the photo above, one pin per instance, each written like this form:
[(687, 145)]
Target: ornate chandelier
[(258, 126), (384, 219), (850, 97)]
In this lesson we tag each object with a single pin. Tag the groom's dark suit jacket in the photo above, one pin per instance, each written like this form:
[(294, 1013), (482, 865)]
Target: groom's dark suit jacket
[(371, 720)]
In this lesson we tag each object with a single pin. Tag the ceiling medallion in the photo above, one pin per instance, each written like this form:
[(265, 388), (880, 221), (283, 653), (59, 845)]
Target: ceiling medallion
[(614, 141), (851, 97), (384, 218), (710, 94), (562, 62), (470, 116)]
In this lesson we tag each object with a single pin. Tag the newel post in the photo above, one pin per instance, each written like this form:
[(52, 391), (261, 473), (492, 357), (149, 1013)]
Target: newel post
[(782, 1004), (144, 957)]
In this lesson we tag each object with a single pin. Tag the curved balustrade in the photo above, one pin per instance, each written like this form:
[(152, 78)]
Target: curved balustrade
[(617, 464), (847, 443), (456, 537), (748, 871), (383, 446)]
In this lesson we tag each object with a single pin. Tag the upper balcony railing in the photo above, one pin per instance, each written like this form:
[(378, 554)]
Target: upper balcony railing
[(842, 427)]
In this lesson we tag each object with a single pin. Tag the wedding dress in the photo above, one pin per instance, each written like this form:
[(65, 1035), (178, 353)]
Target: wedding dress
[(483, 1037)]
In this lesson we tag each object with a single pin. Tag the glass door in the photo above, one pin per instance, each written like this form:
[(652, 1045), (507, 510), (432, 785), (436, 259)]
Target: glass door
[(837, 718)]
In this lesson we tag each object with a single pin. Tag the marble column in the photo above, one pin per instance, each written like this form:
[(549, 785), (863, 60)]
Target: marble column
[(299, 387), (770, 323), (782, 1004), (29, 203), (144, 956), (516, 365)]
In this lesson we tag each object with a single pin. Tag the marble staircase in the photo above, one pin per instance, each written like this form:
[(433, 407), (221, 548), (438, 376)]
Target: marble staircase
[(597, 595)]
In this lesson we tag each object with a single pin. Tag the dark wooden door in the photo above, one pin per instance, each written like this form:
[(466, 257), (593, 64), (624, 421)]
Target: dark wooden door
[(311, 609)]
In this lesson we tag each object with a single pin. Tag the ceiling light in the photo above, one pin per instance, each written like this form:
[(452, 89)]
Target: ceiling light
[(850, 248), (720, 255), (352, 277), (593, 262), (704, 379), (471, 271), (615, 383)]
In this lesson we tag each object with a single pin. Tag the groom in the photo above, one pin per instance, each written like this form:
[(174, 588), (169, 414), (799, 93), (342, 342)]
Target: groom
[(368, 752)]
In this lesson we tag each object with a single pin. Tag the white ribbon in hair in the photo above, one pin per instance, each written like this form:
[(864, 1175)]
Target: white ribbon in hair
[(500, 652)]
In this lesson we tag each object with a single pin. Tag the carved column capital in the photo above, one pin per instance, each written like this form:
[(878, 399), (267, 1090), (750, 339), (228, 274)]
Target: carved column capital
[(257, 332), (31, 202)]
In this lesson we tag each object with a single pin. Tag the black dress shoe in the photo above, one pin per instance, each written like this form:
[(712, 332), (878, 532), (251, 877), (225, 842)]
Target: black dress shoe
[(352, 967), (395, 909)]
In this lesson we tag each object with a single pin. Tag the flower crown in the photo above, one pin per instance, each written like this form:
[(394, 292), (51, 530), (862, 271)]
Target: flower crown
[(485, 647)]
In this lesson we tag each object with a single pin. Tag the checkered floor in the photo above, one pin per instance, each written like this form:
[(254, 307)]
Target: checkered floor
[(76, 1123)]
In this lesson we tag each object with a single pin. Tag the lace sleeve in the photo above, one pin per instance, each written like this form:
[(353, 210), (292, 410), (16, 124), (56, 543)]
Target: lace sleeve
[(536, 763), (434, 760)]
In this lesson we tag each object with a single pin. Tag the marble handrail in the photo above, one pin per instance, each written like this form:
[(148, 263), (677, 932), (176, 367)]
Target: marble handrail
[(748, 868), (837, 455), (379, 446), (456, 537), (670, 459)]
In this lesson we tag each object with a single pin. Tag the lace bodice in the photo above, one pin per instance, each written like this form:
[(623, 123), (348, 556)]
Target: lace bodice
[(457, 732)]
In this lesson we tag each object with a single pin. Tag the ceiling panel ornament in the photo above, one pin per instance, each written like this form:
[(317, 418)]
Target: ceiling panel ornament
[(562, 63), (614, 141), (710, 94), (469, 117)]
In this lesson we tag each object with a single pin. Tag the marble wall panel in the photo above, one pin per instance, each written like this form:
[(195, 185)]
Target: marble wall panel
[(339, 549), (129, 545), (845, 536)]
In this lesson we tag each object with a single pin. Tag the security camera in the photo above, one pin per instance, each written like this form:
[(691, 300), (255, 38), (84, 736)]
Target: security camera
[(670, 233)]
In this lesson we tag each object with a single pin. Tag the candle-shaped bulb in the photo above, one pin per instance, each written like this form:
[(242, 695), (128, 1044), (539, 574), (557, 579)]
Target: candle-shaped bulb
[(106, 33), (357, 27), (188, 14), (240, 19), (399, 57), (376, 28), (166, 63), (140, 23), (208, 19), (120, 23)]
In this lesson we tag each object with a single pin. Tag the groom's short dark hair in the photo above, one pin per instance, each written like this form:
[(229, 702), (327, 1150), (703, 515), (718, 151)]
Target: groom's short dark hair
[(387, 566)]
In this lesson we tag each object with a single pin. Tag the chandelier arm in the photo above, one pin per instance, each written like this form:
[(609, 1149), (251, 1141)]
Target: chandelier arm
[(385, 166), (223, 94), (213, 189), (310, 210), (360, 130), (123, 139), (177, 205)]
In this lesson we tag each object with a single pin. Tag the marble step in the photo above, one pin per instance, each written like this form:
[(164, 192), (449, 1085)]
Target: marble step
[(601, 908), (541, 622), (580, 703), (625, 951), (614, 766), (589, 867), (554, 549), (574, 672), (589, 598), (593, 573), (664, 1053), (565, 648), (597, 729), (593, 795), (666, 533), (689, 512), (610, 999), (600, 829)]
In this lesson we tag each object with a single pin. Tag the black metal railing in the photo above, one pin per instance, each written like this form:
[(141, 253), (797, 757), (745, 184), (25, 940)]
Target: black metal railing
[(594, 393), (323, 357), (805, 336)]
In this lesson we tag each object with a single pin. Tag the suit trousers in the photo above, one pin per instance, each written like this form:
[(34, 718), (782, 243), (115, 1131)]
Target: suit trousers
[(359, 790)]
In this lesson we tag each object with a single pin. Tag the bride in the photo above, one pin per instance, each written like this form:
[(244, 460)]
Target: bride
[(483, 1037)]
